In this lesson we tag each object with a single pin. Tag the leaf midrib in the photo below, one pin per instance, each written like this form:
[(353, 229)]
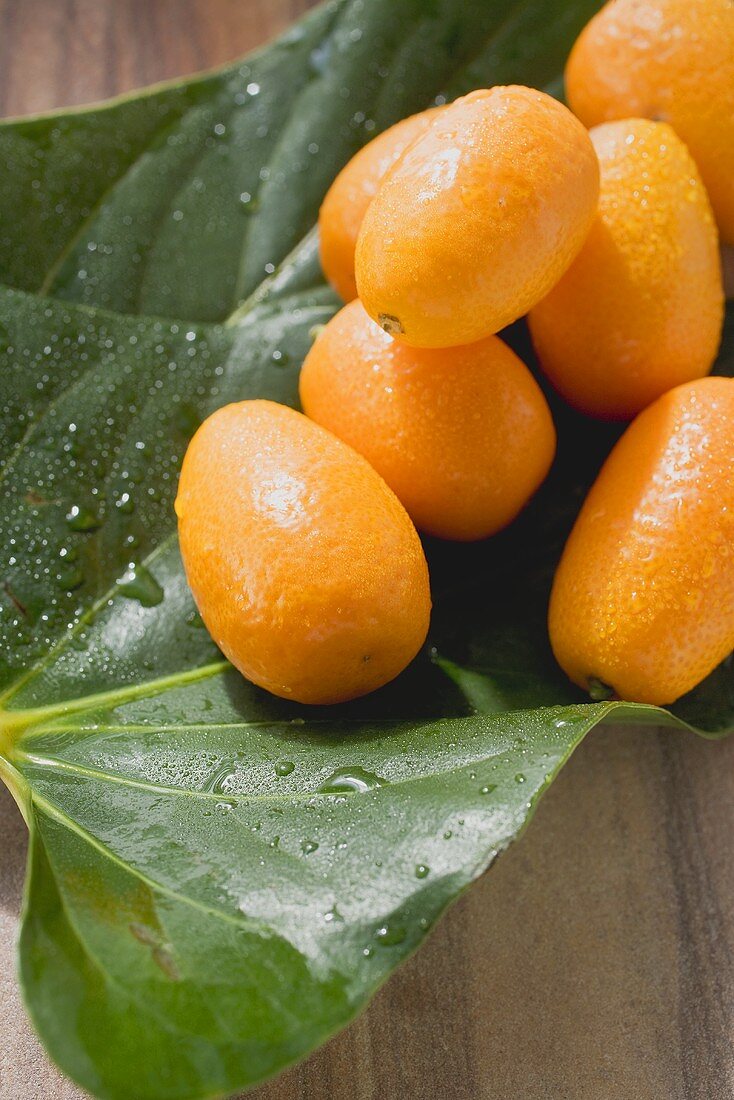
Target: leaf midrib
[(85, 224), (17, 721), (108, 978), (57, 814), (54, 764)]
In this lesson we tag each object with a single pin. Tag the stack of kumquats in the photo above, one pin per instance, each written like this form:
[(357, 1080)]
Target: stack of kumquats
[(298, 532)]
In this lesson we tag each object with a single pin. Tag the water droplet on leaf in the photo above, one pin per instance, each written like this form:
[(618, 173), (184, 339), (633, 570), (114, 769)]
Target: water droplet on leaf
[(138, 583), (71, 579), (351, 779), (82, 519), (387, 935)]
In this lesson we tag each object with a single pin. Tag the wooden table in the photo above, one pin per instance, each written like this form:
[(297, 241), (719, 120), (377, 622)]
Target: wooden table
[(595, 962)]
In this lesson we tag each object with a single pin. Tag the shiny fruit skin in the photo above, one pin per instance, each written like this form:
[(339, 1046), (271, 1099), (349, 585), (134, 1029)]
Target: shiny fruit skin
[(346, 201), (478, 219), (462, 435), (640, 309), (304, 566), (643, 599), (669, 60)]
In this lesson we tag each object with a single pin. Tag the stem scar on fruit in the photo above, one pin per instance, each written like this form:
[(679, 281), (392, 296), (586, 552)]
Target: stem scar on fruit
[(392, 325)]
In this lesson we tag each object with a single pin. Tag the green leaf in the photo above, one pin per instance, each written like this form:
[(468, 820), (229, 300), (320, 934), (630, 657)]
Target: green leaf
[(199, 900), (176, 202), (220, 879)]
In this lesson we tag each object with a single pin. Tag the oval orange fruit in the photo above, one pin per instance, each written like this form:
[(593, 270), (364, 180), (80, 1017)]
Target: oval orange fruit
[(303, 564), (462, 435), (346, 201), (640, 309), (478, 219), (669, 60), (643, 599)]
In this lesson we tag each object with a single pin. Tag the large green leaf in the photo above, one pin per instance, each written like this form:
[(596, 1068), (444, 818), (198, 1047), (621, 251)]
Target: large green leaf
[(219, 879)]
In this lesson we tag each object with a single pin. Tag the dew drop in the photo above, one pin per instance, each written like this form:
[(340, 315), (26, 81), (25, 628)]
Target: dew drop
[(351, 779), (249, 204), (82, 519), (218, 783), (71, 579), (138, 583), (284, 767), (387, 935)]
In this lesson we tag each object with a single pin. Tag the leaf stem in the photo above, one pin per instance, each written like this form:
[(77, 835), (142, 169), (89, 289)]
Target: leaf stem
[(13, 723), (17, 786)]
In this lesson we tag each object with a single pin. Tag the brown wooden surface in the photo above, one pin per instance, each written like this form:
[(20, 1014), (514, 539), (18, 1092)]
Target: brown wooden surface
[(595, 961)]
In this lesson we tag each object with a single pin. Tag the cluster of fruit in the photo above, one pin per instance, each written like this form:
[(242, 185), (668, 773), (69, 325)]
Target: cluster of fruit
[(297, 532)]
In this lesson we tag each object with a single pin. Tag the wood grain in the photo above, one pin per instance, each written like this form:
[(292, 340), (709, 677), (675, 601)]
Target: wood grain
[(59, 52), (595, 962)]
